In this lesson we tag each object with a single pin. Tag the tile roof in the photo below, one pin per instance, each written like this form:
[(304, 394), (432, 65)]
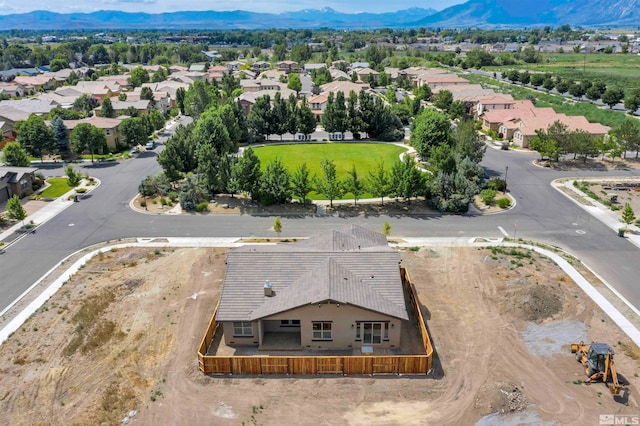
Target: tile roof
[(352, 265)]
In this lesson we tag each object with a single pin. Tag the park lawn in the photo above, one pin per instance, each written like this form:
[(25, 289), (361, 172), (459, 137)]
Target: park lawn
[(560, 104), (365, 156), (58, 187)]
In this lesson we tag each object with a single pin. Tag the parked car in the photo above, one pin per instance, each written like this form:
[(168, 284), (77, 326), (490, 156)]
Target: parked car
[(150, 145)]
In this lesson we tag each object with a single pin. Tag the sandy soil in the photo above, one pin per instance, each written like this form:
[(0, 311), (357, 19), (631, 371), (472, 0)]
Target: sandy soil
[(122, 335)]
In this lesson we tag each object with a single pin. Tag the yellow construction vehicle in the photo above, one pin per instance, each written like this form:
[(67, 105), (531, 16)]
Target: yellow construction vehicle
[(597, 359)]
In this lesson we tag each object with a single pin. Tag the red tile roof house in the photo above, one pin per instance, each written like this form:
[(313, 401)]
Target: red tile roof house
[(526, 127), (340, 290)]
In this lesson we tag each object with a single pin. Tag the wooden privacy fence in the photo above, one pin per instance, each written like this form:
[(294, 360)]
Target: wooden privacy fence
[(307, 365)]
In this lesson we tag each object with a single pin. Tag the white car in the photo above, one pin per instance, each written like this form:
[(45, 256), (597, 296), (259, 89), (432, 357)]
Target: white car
[(150, 145)]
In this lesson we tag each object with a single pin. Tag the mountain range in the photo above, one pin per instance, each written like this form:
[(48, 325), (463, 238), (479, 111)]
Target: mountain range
[(473, 13)]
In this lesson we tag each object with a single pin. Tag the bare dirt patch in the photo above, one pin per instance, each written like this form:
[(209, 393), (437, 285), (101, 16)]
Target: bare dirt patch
[(591, 164), (122, 335)]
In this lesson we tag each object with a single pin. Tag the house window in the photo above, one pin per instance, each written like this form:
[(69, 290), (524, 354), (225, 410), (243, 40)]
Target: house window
[(289, 323), (242, 329), (108, 132), (321, 331), (372, 332)]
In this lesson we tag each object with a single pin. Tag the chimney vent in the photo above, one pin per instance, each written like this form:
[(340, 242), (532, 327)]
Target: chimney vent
[(268, 290)]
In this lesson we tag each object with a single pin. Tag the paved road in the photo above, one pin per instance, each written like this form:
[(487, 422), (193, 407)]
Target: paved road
[(541, 214)]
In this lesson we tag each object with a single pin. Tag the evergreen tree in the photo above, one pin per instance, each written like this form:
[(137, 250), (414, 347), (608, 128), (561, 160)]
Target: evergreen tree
[(628, 216), (259, 116), (60, 132), (306, 118), (15, 211), (279, 116), (247, 174), (107, 108)]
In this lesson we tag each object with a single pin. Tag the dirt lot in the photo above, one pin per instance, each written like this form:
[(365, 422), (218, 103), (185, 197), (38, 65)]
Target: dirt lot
[(122, 335)]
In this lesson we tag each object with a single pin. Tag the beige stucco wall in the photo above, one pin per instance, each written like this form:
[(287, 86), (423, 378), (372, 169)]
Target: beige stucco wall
[(231, 340), (343, 318)]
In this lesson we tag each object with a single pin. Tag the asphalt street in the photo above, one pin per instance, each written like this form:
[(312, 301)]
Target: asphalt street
[(541, 214)]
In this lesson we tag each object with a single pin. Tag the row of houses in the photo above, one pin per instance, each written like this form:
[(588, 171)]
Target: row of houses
[(514, 120)]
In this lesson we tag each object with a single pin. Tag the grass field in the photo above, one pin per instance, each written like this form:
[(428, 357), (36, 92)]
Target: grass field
[(364, 156), (616, 69), (559, 104), (58, 187)]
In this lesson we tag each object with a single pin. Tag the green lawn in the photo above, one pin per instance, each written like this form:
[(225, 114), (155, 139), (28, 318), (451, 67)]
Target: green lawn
[(365, 156), (58, 187), (617, 69)]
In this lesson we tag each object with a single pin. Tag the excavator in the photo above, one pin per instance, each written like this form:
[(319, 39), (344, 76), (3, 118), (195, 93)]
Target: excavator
[(597, 359)]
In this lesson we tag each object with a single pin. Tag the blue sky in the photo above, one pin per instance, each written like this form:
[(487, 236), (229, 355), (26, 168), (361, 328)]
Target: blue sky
[(156, 6)]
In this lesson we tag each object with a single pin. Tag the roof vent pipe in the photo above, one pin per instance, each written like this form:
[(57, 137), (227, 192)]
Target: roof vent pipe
[(268, 290)]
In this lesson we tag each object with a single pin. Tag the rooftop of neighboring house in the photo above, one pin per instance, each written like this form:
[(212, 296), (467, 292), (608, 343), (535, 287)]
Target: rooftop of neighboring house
[(252, 96), (351, 266), (14, 174), (337, 74), (344, 86), (31, 106), (8, 113), (528, 125), (99, 122), (35, 80), (366, 71)]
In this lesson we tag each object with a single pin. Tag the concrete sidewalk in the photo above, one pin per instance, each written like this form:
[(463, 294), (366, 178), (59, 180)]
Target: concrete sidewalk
[(598, 210)]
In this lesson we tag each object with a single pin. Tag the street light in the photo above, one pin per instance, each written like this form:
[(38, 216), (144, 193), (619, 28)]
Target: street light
[(506, 170)]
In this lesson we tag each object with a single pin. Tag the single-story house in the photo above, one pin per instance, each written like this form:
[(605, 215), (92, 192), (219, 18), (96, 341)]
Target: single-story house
[(12, 89), (338, 290), (16, 181), (526, 127)]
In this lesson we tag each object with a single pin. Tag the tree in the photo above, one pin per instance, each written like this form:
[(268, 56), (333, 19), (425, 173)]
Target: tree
[(329, 185), (294, 83), (60, 132), (138, 76), (632, 101), (73, 176), (386, 228), (107, 108), (279, 115), (536, 79), (457, 110), (524, 77), (123, 96), (36, 137), (146, 93), (353, 184), (378, 182), (15, 211), (628, 216), (277, 226), (301, 183), (628, 132), (191, 194), (85, 103), (259, 117), (133, 131), (155, 185), (197, 99), (406, 180), (86, 136), (275, 184), (549, 84), (430, 128), (443, 100), (612, 96), (576, 90), (180, 95), (335, 118), (562, 86), (14, 155), (246, 172), (306, 119)]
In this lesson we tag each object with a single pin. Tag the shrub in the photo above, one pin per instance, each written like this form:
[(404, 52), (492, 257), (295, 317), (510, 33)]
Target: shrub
[(504, 202), (202, 207), (28, 192), (81, 190), (497, 184), (488, 195), (173, 196), (163, 201), (143, 204)]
